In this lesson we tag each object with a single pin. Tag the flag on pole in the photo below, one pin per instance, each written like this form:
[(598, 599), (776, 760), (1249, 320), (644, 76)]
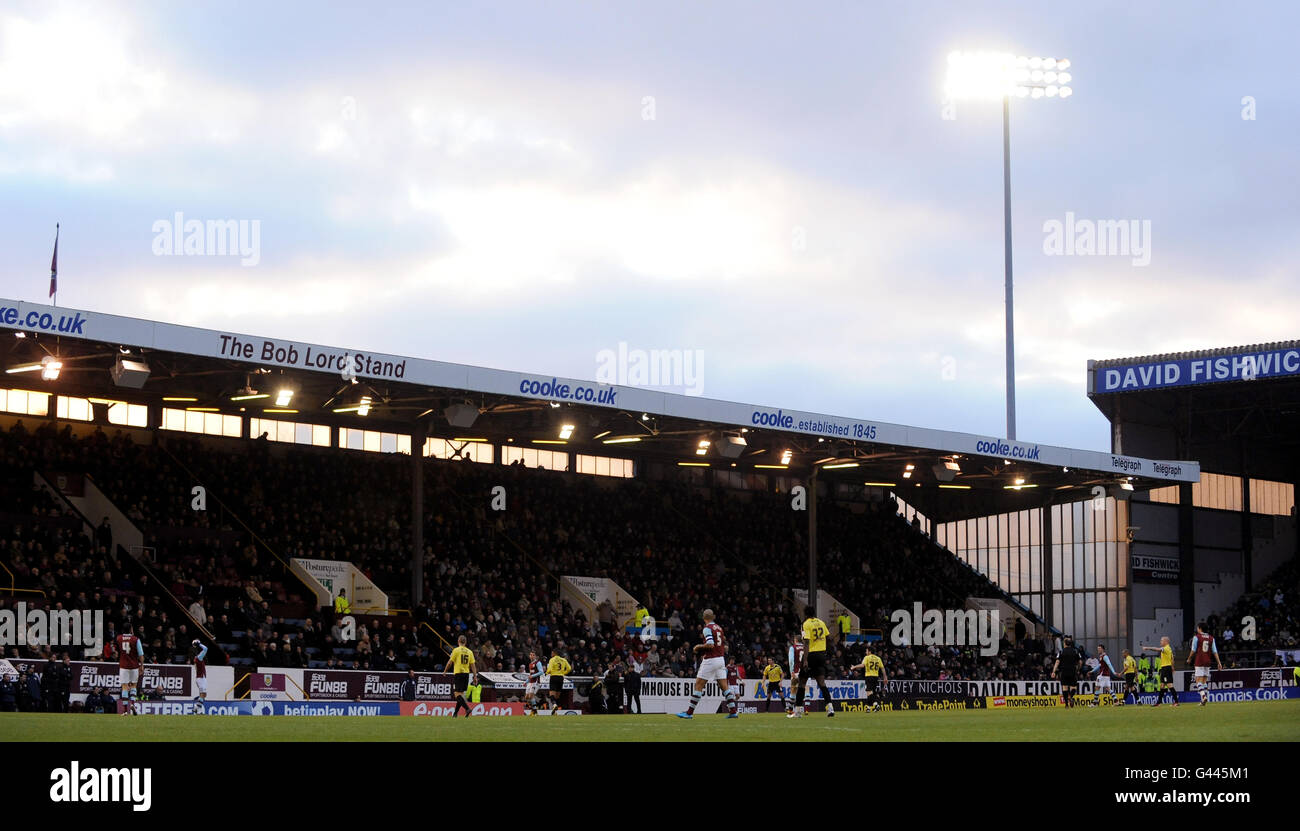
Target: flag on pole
[(54, 263)]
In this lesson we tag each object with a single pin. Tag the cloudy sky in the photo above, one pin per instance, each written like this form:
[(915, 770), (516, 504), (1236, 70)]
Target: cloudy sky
[(779, 186)]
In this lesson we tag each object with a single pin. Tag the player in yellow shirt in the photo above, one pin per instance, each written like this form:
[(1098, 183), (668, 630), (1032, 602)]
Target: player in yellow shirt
[(772, 676), (557, 668), (814, 666), (1130, 678), (873, 671), (461, 664), (1166, 670)]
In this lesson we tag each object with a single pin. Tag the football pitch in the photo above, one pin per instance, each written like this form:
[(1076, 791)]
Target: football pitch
[(1235, 722)]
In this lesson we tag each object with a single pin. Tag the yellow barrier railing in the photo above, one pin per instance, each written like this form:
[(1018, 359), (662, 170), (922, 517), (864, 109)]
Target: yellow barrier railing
[(370, 610), (250, 688), (13, 581), (446, 644), (238, 681)]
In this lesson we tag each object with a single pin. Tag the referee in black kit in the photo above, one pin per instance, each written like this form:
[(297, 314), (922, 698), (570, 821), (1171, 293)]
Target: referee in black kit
[(1067, 665)]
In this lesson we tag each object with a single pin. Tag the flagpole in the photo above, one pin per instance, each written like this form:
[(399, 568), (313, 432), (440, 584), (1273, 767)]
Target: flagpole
[(54, 269)]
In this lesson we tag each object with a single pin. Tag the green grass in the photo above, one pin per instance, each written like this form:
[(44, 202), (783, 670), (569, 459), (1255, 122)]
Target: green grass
[(1236, 722)]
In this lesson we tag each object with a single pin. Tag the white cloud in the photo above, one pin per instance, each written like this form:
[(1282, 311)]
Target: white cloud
[(71, 70), (519, 191), (86, 83)]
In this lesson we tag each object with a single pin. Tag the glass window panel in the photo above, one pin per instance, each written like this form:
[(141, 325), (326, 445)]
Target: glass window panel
[(77, 409), (27, 402)]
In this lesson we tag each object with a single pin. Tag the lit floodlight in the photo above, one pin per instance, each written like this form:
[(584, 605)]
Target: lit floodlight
[(992, 75), (989, 76), (50, 368)]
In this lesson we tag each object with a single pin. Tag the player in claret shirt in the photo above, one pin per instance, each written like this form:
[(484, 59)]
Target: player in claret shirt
[(536, 671), (1104, 670), (796, 667), (1204, 652), (198, 656), (713, 667), (130, 655)]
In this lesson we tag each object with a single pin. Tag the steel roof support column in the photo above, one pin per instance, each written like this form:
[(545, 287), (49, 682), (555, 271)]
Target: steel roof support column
[(1247, 533), (417, 518), (812, 540), (1187, 558), (1045, 563)]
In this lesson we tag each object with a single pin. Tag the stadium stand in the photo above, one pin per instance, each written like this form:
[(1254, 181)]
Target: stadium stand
[(492, 576), (1275, 606)]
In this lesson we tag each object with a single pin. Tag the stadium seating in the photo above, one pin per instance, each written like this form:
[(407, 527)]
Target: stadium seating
[(1275, 606), (490, 575)]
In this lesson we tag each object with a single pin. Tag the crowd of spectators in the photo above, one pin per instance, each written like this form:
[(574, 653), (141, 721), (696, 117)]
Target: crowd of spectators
[(491, 575), (1275, 606), (57, 566)]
